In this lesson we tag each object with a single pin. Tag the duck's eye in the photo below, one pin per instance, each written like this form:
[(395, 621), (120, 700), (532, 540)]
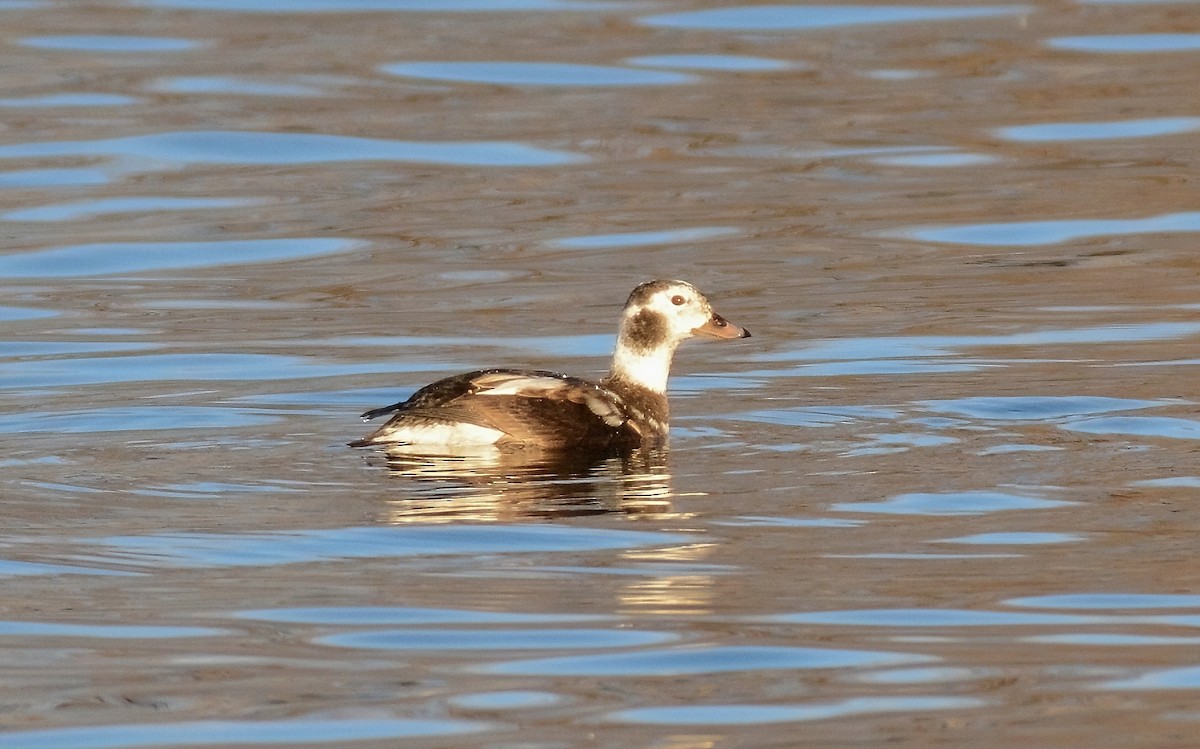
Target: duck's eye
[(677, 300)]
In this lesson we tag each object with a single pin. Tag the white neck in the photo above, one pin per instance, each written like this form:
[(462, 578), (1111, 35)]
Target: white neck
[(647, 369)]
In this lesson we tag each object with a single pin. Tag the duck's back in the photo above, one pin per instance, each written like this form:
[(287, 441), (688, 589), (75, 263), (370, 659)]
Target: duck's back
[(508, 407)]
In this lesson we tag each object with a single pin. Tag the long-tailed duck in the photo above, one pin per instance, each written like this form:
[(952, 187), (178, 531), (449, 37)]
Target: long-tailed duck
[(516, 407)]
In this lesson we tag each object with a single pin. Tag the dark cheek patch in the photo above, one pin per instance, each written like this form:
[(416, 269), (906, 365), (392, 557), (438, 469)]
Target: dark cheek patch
[(647, 330)]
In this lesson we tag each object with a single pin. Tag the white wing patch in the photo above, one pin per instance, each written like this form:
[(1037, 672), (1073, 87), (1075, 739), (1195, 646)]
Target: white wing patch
[(605, 409), (512, 383)]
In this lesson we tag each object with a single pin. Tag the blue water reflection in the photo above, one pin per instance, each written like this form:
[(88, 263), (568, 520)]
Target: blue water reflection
[(201, 550), (1187, 677), (1128, 43), (20, 349), (921, 556), (926, 675), (375, 615), (1019, 448), (11, 568), (951, 503), (702, 660), (12, 314), (127, 204), (32, 178), (880, 366), (367, 6), (1110, 639), (818, 416), (1015, 538), (759, 521), (459, 640), (804, 17), (645, 238), (217, 85), (734, 715), (535, 74), (1109, 601), (727, 63), (938, 160), (1067, 131), (110, 43), (248, 147), (1035, 408), (897, 74), (884, 444), (593, 344), (513, 699), (949, 618), (294, 731), (871, 347), (1138, 426), (43, 373), (213, 490), (1191, 482), (144, 257), (69, 100), (103, 631), (132, 418), (1029, 233)]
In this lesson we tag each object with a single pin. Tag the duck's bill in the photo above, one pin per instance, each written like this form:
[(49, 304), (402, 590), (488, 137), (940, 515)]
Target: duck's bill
[(719, 327)]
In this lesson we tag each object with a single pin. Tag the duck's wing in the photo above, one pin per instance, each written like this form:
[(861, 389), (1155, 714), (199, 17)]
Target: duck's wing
[(552, 390), (530, 407)]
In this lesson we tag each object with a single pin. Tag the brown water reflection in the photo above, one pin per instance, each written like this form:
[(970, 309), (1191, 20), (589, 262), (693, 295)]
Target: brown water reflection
[(491, 485)]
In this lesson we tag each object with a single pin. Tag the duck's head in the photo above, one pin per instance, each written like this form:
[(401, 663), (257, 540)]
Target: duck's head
[(658, 316), (663, 313)]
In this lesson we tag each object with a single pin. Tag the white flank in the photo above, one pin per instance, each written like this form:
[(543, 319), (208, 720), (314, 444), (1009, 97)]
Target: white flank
[(441, 434)]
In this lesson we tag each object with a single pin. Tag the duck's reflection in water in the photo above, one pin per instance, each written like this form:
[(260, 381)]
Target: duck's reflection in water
[(498, 485)]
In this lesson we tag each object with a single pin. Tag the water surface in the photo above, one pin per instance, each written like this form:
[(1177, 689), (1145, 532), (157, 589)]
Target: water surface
[(947, 489)]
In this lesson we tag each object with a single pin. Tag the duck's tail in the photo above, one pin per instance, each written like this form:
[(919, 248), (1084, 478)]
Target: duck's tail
[(375, 413)]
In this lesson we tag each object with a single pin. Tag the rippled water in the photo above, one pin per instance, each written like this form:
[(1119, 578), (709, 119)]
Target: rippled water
[(943, 496)]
